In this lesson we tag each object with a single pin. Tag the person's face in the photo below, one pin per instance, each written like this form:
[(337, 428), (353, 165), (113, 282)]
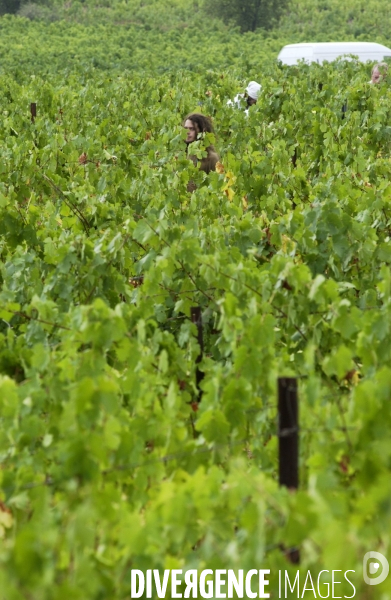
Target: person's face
[(250, 101), (377, 75), (192, 131)]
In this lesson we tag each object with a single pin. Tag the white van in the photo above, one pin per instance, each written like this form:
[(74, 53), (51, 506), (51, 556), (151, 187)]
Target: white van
[(328, 51)]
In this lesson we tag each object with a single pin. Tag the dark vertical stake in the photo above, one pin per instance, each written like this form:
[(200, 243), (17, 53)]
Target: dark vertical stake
[(344, 108), (294, 158), (288, 434), (196, 318), (33, 110), (288, 441)]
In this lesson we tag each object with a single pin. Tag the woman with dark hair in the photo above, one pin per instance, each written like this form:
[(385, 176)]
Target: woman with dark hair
[(196, 125)]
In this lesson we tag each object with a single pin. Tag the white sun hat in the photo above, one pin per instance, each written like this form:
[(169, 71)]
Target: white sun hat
[(253, 89)]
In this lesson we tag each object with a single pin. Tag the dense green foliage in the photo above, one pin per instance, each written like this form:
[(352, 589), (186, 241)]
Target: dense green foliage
[(249, 15), (156, 36), (107, 462)]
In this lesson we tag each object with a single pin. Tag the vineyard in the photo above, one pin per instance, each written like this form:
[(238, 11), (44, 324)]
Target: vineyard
[(119, 449), (160, 36)]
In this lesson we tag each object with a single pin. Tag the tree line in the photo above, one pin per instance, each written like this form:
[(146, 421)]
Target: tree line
[(248, 15)]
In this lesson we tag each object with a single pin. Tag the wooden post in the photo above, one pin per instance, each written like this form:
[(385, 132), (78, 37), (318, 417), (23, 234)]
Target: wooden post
[(288, 432), (344, 108), (294, 158), (33, 110), (288, 442), (196, 318)]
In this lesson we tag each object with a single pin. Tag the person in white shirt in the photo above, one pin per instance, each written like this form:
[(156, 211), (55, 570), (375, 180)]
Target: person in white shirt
[(247, 99)]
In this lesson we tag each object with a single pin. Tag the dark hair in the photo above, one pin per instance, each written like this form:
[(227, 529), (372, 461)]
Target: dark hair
[(203, 123)]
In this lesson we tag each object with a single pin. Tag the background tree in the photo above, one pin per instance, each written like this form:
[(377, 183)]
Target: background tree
[(29, 9), (9, 6), (247, 14)]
